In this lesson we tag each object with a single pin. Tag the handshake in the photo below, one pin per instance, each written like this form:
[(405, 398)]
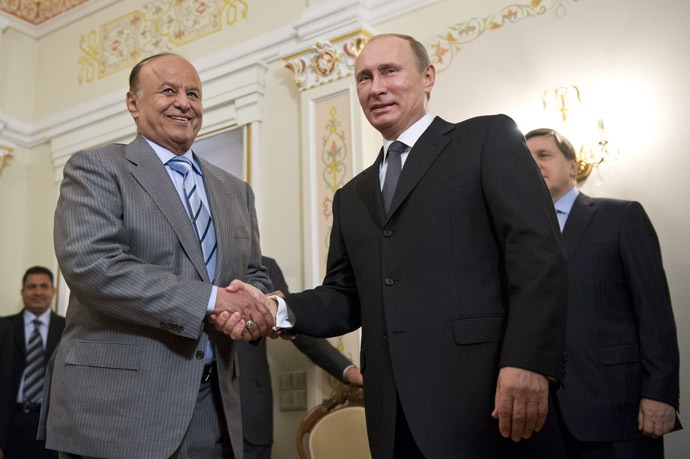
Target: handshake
[(243, 312)]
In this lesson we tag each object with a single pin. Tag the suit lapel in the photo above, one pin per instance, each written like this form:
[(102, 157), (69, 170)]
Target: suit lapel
[(580, 216), (150, 173), (369, 189), (420, 158), (220, 211), (54, 334), (19, 336)]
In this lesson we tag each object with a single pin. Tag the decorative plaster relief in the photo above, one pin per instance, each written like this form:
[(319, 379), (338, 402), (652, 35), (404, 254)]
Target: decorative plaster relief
[(158, 26), (444, 47), (36, 12), (326, 61), (5, 154)]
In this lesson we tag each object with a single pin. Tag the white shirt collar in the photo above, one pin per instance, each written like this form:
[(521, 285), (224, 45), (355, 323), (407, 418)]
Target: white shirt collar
[(565, 203), (165, 155), (412, 134), (29, 317)]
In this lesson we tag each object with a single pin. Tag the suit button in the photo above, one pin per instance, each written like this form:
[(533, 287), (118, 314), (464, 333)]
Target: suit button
[(387, 233), (385, 336), (199, 355), (389, 281)]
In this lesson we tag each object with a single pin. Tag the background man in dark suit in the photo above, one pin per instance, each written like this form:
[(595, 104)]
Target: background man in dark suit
[(620, 392), (6, 402), (144, 233), (459, 283), (255, 381), (24, 382)]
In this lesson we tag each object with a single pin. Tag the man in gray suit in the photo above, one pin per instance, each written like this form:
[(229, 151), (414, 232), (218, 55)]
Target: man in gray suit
[(143, 240)]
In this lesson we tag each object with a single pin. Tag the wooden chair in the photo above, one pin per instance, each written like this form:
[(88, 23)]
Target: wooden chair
[(336, 428)]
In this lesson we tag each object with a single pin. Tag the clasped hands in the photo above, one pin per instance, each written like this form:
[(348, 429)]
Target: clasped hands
[(243, 312)]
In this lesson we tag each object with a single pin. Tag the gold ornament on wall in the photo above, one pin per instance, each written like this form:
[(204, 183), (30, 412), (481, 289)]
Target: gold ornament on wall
[(5, 154), (326, 61)]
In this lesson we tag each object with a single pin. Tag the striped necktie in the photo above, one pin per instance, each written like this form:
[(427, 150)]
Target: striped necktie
[(200, 216), (392, 173), (35, 366)]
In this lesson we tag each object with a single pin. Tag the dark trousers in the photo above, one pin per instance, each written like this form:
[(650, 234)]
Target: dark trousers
[(637, 448), (404, 443), (252, 451), (21, 439)]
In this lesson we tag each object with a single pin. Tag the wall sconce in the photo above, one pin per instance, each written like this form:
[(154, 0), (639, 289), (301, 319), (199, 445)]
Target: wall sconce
[(588, 158), (566, 100)]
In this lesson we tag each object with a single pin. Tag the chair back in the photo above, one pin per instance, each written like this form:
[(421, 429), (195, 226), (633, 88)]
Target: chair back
[(336, 428)]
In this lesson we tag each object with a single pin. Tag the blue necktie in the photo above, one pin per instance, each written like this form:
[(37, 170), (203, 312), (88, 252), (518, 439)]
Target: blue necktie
[(393, 170), (35, 366), (200, 216)]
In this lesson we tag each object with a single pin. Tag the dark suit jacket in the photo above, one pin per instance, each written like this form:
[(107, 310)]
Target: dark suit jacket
[(255, 377), (621, 339), (467, 274), (131, 358), (6, 361), (13, 357)]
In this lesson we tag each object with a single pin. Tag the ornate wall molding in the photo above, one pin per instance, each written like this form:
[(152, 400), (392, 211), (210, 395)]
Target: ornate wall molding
[(444, 47), (40, 30), (156, 26), (5, 154), (326, 61)]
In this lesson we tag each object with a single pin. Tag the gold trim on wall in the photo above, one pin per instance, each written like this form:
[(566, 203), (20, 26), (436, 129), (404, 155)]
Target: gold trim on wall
[(326, 61), (5, 154), (156, 26), (444, 47)]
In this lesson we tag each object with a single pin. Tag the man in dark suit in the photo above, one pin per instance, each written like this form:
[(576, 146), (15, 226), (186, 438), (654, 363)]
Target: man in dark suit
[(255, 381), (620, 392), (6, 402), (144, 234), (458, 280), (24, 381)]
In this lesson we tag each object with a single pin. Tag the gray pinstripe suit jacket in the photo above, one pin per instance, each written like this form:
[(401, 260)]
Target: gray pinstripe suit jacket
[(127, 371)]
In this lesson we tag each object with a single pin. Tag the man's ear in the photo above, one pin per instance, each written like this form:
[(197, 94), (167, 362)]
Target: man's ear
[(573, 169), (133, 105), (429, 78)]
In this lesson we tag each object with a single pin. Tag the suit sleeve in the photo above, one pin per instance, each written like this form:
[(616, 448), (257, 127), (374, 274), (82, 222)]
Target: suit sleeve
[(646, 282), (333, 308), (92, 248), (526, 227), (323, 354)]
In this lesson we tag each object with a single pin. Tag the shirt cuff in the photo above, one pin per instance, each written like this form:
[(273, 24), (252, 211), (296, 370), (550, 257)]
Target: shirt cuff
[(284, 318), (345, 371), (211, 306)]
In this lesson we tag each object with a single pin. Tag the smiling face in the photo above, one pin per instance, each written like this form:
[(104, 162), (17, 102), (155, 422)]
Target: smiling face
[(558, 171), (37, 293), (391, 88), (167, 104)]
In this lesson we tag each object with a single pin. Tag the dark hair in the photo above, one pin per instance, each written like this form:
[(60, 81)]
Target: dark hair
[(37, 270), (134, 74), (562, 142), (421, 57)]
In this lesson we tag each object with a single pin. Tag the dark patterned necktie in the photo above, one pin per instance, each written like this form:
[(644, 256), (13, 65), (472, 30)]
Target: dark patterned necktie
[(35, 366), (200, 216), (392, 173)]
